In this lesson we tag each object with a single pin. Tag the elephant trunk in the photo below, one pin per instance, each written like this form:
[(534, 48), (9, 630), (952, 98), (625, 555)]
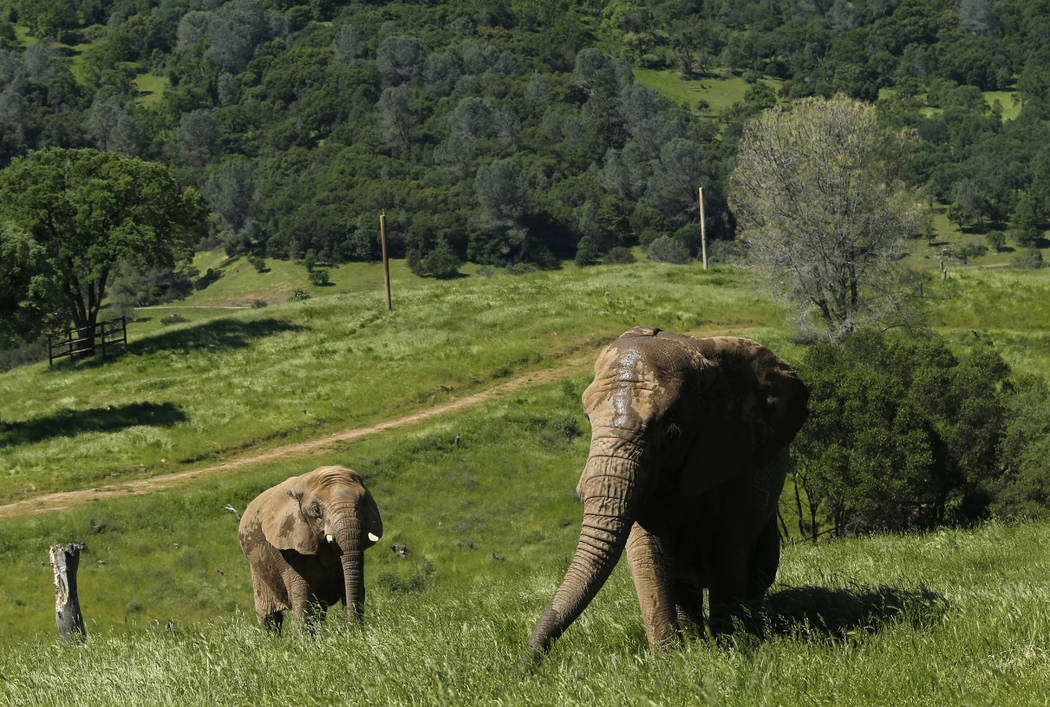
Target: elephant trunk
[(607, 488), (348, 536)]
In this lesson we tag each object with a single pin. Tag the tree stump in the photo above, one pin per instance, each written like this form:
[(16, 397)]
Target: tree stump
[(64, 561)]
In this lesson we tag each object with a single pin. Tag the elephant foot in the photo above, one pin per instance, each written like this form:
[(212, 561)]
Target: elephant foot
[(272, 622)]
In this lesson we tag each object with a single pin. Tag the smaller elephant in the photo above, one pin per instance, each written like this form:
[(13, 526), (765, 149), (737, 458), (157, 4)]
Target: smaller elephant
[(305, 540)]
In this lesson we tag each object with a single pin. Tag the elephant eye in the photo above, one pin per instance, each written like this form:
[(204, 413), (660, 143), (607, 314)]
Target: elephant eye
[(315, 509)]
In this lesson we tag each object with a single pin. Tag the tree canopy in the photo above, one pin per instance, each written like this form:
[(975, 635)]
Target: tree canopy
[(905, 434), (822, 212), (70, 217)]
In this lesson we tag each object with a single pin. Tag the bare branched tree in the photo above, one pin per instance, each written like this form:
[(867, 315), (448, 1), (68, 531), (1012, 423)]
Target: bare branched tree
[(823, 214)]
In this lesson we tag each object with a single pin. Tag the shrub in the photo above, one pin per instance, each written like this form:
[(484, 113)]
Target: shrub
[(996, 239), (585, 254), (440, 261), (902, 433), (259, 303), (618, 256), (172, 319), (719, 251), (320, 278), (666, 249), (258, 262), (969, 250), (299, 294), (1023, 488)]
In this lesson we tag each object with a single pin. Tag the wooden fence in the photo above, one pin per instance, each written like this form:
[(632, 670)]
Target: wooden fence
[(82, 342)]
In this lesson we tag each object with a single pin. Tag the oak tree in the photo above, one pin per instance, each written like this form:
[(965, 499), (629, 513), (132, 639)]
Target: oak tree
[(823, 213), (69, 217)]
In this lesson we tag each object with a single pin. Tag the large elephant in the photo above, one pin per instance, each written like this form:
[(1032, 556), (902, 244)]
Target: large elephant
[(305, 540), (687, 461)]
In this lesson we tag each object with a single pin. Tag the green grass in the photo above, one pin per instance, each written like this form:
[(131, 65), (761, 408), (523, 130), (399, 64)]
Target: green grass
[(720, 93), (950, 617), (490, 521), (150, 88), (196, 392), (1011, 108), (953, 617)]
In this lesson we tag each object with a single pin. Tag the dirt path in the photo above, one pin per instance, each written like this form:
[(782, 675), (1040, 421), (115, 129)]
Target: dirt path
[(578, 362), (68, 499)]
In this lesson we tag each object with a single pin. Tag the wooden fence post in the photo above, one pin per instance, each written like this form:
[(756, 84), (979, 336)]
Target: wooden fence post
[(64, 561)]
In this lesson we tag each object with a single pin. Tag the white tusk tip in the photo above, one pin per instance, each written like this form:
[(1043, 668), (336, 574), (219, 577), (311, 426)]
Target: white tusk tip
[(329, 538), (373, 537)]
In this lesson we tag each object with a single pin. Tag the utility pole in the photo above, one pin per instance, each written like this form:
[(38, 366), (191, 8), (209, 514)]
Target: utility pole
[(703, 230), (386, 263)]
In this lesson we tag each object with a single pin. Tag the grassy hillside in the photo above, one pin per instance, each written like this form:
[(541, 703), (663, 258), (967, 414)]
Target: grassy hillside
[(200, 391), (950, 617), (490, 520)]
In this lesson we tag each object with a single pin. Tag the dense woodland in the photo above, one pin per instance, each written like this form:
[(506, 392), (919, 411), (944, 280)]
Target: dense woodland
[(512, 132)]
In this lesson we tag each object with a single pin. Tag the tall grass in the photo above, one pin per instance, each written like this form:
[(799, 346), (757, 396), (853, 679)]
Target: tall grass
[(951, 618)]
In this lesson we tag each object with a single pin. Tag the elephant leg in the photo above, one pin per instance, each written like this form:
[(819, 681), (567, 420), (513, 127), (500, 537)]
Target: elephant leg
[(299, 597), (267, 610), (689, 608), (272, 622), (765, 559), (313, 613), (728, 582), (648, 561)]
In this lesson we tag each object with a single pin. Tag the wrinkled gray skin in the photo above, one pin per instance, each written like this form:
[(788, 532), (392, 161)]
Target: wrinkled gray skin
[(305, 540), (687, 460)]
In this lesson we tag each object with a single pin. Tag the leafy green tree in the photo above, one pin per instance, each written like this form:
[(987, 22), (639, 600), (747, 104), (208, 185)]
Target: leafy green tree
[(441, 72), (233, 192), (348, 45), (681, 169), (396, 117), (585, 253), (70, 216), (504, 199), (902, 434), (472, 117), (401, 57), (1023, 488), (197, 135), (818, 202)]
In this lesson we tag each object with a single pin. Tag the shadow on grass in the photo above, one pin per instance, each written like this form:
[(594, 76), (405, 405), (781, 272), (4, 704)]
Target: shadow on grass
[(838, 614), (70, 423), (214, 335)]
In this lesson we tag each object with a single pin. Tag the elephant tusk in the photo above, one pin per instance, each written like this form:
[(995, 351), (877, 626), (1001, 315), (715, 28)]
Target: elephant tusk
[(329, 538), (373, 537)]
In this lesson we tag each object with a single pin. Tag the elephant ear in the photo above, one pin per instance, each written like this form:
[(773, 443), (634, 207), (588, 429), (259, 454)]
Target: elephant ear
[(371, 522), (283, 524)]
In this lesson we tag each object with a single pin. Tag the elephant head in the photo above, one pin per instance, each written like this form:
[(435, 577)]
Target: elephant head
[(672, 418), (328, 506)]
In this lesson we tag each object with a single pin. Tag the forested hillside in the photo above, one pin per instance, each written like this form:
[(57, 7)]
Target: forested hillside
[(507, 132)]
